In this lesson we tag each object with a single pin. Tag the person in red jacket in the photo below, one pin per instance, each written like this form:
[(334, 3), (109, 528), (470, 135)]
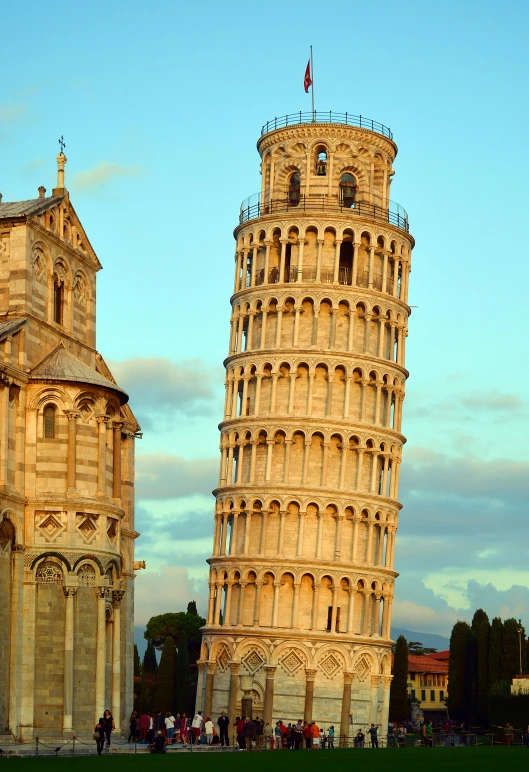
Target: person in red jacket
[(144, 725)]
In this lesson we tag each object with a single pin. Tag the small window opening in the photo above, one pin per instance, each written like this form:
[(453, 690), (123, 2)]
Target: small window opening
[(321, 163), (294, 189), (49, 422), (58, 298), (347, 190), (288, 258), (345, 271)]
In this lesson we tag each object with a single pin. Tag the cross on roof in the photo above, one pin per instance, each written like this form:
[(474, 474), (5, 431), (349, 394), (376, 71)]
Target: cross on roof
[(62, 144)]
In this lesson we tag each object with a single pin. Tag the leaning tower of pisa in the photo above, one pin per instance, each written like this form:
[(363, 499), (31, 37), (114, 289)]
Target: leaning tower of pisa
[(301, 575)]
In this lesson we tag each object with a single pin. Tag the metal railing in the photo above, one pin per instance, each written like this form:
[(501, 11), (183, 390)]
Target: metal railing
[(327, 116), (253, 207)]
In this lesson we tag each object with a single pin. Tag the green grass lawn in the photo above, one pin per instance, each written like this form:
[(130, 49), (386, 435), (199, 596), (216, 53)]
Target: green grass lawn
[(411, 760)]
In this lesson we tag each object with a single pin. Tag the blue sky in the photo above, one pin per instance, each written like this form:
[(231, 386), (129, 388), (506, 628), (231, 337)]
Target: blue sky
[(161, 105)]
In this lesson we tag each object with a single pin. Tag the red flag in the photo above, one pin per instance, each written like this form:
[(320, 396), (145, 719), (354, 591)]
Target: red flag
[(307, 81)]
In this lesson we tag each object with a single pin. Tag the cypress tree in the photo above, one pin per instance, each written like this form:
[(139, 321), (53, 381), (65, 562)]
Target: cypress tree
[(137, 663), (398, 696), (144, 697), (472, 677), (192, 608), (511, 649), (483, 671), (495, 645), (182, 681), (164, 693), (458, 671), (149, 672)]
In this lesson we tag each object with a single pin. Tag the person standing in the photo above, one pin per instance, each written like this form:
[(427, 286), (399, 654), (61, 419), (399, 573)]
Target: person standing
[(298, 735), (144, 727), (224, 726), (169, 727), (315, 736), (158, 723), (307, 735), (259, 733), (184, 729), (330, 735), (373, 735), (208, 729), (508, 734), (360, 739), (277, 734), (196, 726), (177, 728), (99, 736), (249, 733), (268, 736), (108, 725), (133, 726), (239, 729), (429, 734)]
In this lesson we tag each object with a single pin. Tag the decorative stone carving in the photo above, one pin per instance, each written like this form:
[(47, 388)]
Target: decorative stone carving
[(50, 525), (362, 668), (330, 665), (252, 661), (291, 662), (86, 576), (49, 573)]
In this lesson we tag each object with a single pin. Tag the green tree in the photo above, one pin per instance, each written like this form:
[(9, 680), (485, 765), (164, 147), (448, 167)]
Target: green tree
[(192, 608), (164, 692), (159, 627), (182, 681), (149, 671), (137, 663), (398, 697), (472, 675), (483, 671), (511, 641), (416, 647), (458, 671), (144, 695), (495, 647)]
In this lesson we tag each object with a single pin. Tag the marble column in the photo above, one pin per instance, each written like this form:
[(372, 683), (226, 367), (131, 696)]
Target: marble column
[(72, 415), (346, 709), (210, 679), (102, 456), (373, 706), (116, 459), (234, 685), (117, 597), (310, 675), (67, 721), (101, 652), (268, 706)]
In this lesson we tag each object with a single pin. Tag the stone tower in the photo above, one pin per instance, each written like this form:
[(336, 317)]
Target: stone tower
[(67, 440), (301, 575)]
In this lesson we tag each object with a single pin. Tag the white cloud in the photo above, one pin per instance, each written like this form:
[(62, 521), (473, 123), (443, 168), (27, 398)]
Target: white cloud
[(168, 590), (100, 174), (162, 390), (11, 113), (164, 476)]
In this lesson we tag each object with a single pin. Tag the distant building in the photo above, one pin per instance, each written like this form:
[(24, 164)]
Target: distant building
[(428, 682), (67, 440)]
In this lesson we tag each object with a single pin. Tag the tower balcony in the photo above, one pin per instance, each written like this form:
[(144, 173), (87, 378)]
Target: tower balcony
[(327, 116), (253, 207)]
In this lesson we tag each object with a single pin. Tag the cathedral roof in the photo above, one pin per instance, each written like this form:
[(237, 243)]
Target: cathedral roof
[(60, 365), (26, 208), (9, 326)]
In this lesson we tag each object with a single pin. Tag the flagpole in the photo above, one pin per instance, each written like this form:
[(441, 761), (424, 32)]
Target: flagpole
[(312, 86)]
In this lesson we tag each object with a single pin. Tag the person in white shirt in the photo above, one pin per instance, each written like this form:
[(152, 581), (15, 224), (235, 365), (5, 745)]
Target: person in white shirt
[(208, 729), (196, 725), (169, 726)]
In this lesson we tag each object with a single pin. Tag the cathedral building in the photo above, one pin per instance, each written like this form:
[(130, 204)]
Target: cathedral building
[(302, 568), (67, 440)]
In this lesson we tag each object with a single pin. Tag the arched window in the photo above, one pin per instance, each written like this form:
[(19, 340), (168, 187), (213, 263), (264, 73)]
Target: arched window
[(321, 161), (58, 299), (294, 188), (347, 190), (49, 422)]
